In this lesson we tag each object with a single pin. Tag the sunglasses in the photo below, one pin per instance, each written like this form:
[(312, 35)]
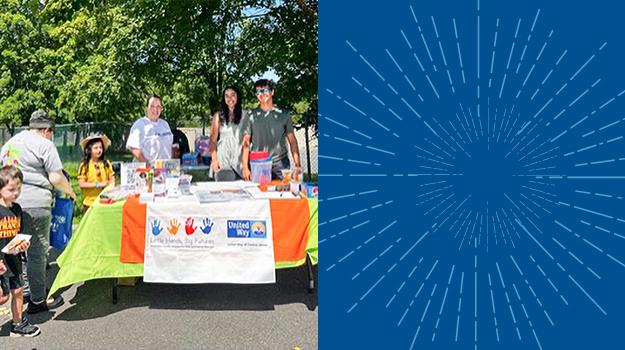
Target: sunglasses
[(263, 91)]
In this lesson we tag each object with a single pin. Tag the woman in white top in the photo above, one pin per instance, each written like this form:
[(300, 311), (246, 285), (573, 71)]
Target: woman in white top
[(150, 137), (227, 137)]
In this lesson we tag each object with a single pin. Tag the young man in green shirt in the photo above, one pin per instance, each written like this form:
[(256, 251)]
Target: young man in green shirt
[(269, 130)]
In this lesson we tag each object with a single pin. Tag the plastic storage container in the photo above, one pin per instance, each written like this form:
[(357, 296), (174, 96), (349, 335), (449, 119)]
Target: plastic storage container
[(261, 171)]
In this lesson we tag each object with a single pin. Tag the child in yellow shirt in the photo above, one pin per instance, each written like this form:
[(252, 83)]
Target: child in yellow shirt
[(95, 171)]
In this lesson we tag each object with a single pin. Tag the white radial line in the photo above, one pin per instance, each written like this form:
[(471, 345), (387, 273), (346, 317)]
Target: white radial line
[(569, 275), (371, 263), (503, 286), (421, 118), (372, 68), (549, 281), (443, 211), (543, 198), (543, 153), (492, 58), (459, 306), (599, 162), (359, 110), (452, 213), (347, 127), (463, 128), (440, 311), (504, 228), (442, 139), (530, 152), (593, 245), (508, 119), (531, 121), (575, 257), (541, 160), (349, 160), (423, 316), (522, 213), (457, 220), (579, 70), (528, 209), (603, 127), (492, 303), (451, 137), (536, 204), (495, 231), (403, 284), (523, 127), (428, 152), (602, 195), (464, 235), (451, 124), (367, 241), (362, 210), (357, 226), (472, 121), (505, 75), (427, 48), (435, 161), (478, 119), (440, 46), (529, 73), (529, 37), (595, 145), (542, 83), (588, 115), (427, 277), (527, 316), (416, 57), (429, 199), (439, 148), (475, 300), (509, 222), (472, 236), (400, 70), (439, 204), (433, 183), (459, 54), (506, 139), (478, 72), (368, 91)]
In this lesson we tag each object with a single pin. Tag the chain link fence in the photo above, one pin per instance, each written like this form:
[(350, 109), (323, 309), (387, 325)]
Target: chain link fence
[(67, 139)]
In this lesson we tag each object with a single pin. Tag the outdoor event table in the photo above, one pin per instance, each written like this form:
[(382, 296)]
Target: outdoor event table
[(93, 251)]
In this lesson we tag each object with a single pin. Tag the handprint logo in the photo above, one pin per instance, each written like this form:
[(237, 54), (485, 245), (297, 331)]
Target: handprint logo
[(156, 227), (188, 226), (173, 226), (207, 225)]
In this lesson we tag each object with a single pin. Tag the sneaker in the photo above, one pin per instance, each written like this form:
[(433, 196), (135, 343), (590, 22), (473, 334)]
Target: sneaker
[(24, 329), (34, 308)]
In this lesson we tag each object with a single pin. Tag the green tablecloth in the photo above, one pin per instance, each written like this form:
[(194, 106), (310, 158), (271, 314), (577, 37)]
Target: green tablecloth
[(93, 250)]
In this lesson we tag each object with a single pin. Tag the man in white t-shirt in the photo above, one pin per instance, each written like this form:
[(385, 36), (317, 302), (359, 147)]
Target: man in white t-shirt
[(150, 137)]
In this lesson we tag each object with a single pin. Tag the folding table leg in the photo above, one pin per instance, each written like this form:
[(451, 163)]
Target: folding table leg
[(311, 278), (114, 290)]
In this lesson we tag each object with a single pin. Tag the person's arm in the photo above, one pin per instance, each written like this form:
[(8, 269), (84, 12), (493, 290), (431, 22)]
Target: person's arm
[(247, 175), (213, 145), (294, 148), (58, 180), (136, 152)]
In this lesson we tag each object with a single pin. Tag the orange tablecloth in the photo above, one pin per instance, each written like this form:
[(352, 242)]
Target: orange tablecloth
[(290, 219)]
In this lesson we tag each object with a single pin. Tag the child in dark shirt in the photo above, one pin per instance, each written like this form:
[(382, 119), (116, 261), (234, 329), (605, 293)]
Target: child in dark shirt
[(11, 179)]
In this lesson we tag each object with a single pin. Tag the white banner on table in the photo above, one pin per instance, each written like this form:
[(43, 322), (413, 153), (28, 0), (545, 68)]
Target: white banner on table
[(226, 242)]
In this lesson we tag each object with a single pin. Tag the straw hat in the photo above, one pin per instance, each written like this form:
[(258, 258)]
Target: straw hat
[(106, 142)]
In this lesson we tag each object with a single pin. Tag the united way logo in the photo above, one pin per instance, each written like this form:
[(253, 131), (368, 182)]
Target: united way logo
[(247, 229), (259, 230)]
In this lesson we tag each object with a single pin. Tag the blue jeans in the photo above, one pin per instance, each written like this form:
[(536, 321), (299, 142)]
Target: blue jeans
[(36, 221)]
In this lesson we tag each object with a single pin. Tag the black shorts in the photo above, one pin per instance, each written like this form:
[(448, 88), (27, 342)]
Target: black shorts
[(12, 278)]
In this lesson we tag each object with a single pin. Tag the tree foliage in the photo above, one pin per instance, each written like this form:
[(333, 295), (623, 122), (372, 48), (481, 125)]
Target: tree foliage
[(88, 60)]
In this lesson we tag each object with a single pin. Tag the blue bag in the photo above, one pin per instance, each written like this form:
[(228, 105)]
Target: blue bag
[(61, 225)]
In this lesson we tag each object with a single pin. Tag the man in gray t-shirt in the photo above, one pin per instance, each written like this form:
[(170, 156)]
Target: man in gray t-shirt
[(33, 152), (269, 129)]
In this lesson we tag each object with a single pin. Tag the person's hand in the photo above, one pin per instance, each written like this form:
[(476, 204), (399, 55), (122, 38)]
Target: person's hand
[(24, 246), (72, 195), (247, 175), (215, 165), (3, 267), (189, 226)]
